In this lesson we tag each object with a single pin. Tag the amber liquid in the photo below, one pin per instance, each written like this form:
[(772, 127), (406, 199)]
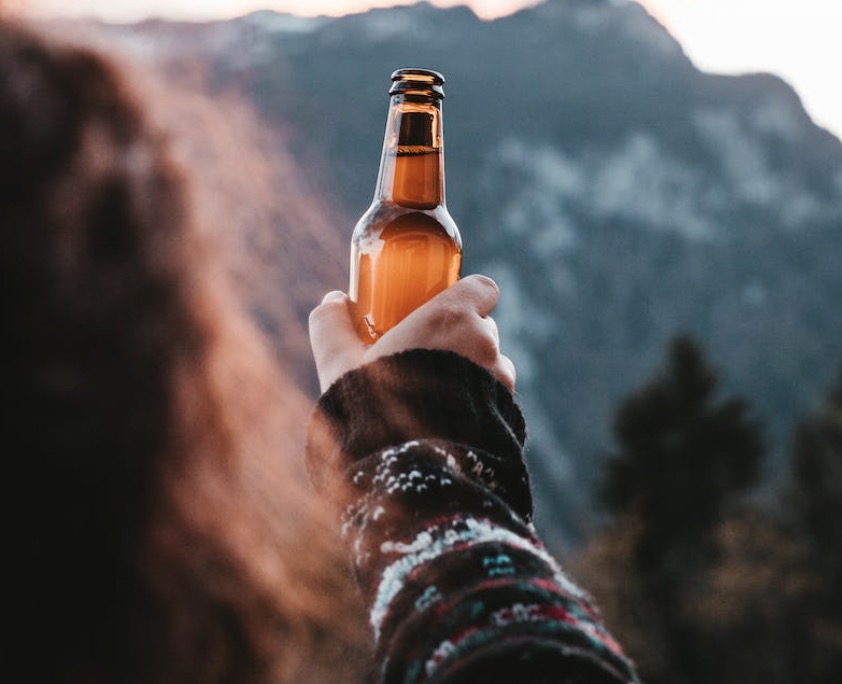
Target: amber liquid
[(401, 262), (415, 180), (406, 248)]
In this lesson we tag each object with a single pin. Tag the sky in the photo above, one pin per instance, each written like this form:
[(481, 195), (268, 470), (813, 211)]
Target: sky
[(796, 39)]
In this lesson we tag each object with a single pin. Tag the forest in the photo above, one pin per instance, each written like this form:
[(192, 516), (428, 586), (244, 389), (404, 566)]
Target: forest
[(705, 574)]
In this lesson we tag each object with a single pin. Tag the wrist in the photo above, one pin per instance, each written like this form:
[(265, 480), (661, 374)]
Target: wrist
[(417, 394)]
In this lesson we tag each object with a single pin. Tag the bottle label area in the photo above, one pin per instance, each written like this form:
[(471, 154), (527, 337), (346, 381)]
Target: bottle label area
[(411, 260)]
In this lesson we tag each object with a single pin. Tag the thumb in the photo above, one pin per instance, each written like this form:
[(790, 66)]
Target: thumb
[(335, 344), (479, 292)]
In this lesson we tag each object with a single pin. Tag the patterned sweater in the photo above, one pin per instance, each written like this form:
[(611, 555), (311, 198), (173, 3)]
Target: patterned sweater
[(423, 451)]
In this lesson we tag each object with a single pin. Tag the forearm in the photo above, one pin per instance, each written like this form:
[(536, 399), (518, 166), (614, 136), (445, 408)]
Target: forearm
[(437, 518)]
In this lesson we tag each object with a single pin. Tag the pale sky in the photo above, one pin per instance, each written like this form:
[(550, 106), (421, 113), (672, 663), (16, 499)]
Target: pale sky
[(796, 39)]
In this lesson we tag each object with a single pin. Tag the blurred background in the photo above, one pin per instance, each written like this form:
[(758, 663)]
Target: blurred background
[(656, 187)]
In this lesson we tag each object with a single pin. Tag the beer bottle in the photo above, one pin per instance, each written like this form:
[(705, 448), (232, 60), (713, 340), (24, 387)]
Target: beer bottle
[(406, 247)]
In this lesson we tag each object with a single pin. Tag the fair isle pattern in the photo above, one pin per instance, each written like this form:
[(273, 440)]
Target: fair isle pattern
[(456, 534), (546, 619), (391, 477), (503, 604)]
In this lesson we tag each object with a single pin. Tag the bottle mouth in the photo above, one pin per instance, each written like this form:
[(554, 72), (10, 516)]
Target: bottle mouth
[(417, 81)]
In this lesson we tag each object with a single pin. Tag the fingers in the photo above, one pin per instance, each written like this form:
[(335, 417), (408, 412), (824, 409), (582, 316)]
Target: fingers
[(455, 320), (481, 294), (336, 347), (493, 331), (486, 352), (330, 318), (505, 372)]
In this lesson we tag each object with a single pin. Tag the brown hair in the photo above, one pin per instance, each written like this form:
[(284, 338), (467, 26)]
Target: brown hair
[(165, 537)]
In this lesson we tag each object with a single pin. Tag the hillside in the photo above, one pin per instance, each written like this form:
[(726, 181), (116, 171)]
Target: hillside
[(618, 194)]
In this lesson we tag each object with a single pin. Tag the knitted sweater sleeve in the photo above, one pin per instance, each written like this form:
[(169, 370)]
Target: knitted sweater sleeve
[(436, 511)]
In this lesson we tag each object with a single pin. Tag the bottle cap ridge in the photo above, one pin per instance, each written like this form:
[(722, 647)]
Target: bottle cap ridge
[(419, 81)]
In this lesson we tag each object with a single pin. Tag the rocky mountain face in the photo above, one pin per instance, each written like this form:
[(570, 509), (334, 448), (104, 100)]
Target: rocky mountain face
[(618, 195)]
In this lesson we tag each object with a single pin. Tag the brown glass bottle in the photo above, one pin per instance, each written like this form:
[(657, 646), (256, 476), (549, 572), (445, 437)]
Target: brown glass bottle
[(406, 247)]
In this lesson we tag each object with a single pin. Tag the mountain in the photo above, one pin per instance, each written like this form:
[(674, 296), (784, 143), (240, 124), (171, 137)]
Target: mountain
[(618, 194)]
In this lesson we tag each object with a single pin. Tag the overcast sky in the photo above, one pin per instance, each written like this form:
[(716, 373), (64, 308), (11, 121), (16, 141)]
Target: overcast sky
[(797, 39)]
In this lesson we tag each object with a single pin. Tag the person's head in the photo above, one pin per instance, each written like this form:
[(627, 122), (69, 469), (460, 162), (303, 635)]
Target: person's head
[(162, 537)]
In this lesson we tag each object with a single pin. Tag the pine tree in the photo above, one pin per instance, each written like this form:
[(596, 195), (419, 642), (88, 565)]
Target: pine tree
[(684, 457), (683, 454), (817, 474)]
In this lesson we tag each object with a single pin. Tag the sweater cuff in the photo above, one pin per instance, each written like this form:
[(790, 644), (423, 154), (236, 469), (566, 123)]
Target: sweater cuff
[(419, 394)]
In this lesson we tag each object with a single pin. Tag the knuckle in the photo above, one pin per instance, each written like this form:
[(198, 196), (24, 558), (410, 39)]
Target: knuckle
[(449, 315)]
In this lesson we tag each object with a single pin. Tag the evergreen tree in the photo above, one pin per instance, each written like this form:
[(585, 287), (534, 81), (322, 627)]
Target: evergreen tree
[(683, 454), (817, 465), (818, 473)]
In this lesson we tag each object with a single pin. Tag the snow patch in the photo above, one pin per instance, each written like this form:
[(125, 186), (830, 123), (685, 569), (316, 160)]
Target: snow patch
[(640, 181), (747, 173)]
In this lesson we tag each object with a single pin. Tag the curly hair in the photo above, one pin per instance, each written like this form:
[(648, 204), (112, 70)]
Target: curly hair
[(162, 536)]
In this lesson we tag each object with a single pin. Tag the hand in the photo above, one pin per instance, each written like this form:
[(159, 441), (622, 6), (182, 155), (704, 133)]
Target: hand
[(455, 320)]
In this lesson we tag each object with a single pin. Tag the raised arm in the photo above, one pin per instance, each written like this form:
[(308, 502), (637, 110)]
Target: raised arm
[(422, 449)]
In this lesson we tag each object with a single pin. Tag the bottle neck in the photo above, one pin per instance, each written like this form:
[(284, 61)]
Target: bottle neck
[(412, 165)]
